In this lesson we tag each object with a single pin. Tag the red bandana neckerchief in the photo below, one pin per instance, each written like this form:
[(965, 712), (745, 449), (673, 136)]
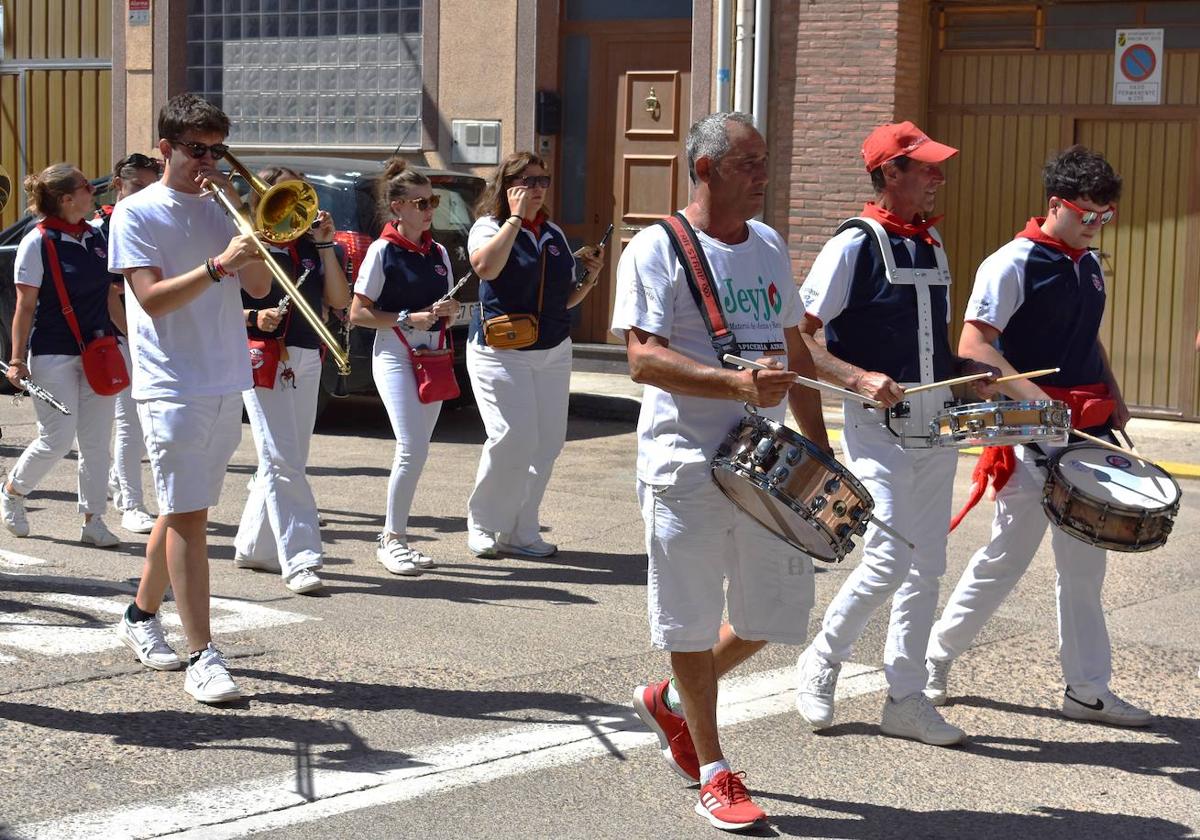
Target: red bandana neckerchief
[(391, 233), (76, 230), (894, 224), (1033, 231), (534, 227)]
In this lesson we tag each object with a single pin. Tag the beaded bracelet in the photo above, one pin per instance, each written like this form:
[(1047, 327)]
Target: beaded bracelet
[(213, 274), (220, 268)]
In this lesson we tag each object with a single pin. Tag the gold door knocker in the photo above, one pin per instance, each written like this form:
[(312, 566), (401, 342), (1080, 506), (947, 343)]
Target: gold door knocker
[(653, 108)]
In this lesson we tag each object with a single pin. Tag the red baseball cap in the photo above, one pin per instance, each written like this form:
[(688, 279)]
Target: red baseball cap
[(891, 141)]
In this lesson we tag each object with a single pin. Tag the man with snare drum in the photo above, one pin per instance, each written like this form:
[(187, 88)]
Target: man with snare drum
[(1037, 303), (880, 288), (695, 537)]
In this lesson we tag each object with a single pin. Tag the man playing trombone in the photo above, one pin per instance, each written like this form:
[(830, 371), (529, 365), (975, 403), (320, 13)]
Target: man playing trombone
[(185, 265)]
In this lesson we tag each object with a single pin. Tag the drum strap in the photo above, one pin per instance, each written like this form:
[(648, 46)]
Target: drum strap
[(701, 284)]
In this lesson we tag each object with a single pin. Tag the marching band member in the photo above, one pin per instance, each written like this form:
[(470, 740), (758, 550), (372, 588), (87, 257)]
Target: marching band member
[(696, 538), (1037, 303), (62, 196), (399, 292), (178, 249), (526, 268), (887, 326), (279, 530), (131, 174)]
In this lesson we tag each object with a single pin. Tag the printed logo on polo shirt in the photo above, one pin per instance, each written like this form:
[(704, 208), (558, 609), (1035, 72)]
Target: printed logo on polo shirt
[(1119, 461), (440, 269), (761, 303), (553, 249), (309, 264), (101, 252), (808, 294), (256, 358), (1098, 282)]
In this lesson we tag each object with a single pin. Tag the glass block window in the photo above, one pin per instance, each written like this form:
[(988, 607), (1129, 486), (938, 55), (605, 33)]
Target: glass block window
[(313, 72)]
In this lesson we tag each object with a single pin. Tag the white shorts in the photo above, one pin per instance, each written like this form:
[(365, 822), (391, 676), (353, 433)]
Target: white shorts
[(190, 441), (696, 540)]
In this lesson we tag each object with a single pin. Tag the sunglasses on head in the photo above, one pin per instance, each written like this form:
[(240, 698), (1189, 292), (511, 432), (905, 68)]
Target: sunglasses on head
[(199, 150), (137, 160), (423, 203), (533, 181), (1091, 217)]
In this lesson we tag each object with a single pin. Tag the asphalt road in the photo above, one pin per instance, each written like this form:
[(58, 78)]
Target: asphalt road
[(489, 697)]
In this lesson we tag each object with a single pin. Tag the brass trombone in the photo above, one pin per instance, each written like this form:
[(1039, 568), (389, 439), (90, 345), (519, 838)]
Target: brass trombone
[(5, 187), (284, 213)]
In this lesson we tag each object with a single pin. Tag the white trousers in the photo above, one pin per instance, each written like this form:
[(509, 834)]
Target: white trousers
[(89, 424), (522, 397), (128, 446), (280, 517), (913, 491), (412, 424), (1017, 531)]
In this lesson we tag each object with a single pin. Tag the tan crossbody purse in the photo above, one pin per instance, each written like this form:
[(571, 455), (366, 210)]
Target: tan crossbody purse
[(515, 331)]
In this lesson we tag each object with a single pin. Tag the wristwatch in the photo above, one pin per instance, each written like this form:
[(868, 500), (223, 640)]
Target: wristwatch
[(252, 318), (402, 318)]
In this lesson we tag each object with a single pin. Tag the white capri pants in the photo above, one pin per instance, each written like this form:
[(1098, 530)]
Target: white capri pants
[(280, 517), (1017, 531), (697, 540), (913, 491), (89, 424), (128, 446), (522, 397), (190, 441), (412, 422)]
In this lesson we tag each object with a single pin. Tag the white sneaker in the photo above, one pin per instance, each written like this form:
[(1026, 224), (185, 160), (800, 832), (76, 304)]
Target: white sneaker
[(149, 642), (421, 561), (537, 548), (303, 582), (12, 508), (396, 557), (208, 680), (1107, 708), (96, 533), (939, 678), (914, 717), (241, 561), (816, 681), (480, 542), (137, 521)]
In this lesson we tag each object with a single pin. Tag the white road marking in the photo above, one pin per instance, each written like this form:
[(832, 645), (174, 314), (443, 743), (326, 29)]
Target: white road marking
[(16, 561), (272, 802)]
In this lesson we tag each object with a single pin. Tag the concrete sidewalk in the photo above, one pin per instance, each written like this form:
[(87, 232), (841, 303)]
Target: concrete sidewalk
[(1172, 444)]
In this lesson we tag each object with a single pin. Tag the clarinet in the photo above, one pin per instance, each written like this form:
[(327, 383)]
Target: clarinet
[(38, 391)]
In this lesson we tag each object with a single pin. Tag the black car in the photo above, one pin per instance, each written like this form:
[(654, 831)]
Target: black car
[(347, 189)]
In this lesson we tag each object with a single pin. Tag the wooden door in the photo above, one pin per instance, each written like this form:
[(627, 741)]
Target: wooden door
[(641, 84)]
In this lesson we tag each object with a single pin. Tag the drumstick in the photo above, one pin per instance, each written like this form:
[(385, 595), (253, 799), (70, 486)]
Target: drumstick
[(1128, 442), (958, 380), (804, 380), (1112, 446), (1028, 375), (888, 529)]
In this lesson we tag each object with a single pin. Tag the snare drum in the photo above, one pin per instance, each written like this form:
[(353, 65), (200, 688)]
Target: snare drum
[(1110, 500), (795, 490), (1003, 423)]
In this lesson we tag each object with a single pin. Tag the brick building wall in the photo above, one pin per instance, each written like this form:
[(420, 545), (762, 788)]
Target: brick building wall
[(841, 67)]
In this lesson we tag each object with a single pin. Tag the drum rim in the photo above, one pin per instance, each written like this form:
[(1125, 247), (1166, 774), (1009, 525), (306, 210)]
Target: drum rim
[(1052, 469), (1015, 405), (830, 463)]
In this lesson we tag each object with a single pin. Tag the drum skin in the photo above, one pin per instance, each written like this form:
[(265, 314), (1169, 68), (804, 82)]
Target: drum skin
[(1104, 522), (795, 490), (1003, 423)]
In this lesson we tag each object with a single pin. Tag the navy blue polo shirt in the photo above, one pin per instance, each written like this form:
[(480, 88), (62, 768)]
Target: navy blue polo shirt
[(877, 329), (1047, 307), (85, 273), (515, 290), (294, 329), (396, 274)]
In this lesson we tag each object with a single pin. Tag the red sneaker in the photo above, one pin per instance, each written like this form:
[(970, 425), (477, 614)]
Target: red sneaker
[(650, 703), (725, 803)]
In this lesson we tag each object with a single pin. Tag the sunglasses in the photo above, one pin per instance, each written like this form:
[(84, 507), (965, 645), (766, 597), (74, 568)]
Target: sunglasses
[(423, 203), (137, 160), (84, 185), (1091, 217), (533, 181), (199, 150)]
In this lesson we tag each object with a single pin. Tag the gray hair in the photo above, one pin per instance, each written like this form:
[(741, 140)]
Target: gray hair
[(708, 137)]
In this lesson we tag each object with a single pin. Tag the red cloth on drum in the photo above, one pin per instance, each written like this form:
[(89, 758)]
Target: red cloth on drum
[(1091, 405), (995, 467), (894, 224)]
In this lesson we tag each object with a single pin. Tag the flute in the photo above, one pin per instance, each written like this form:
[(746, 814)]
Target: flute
[(38, 391)]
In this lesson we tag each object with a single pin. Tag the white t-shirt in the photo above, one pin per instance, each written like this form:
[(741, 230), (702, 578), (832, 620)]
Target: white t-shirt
[(200, 348), (678, 434)]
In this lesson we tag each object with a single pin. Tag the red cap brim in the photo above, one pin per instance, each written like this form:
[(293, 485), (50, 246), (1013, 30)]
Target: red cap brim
[(932, 152)]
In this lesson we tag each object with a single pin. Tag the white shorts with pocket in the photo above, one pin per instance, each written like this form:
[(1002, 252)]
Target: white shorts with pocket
[(697, 540), (189, 441)]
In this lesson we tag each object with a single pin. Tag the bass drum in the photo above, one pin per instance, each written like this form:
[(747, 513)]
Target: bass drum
[(1107, 499), (795, 490)]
